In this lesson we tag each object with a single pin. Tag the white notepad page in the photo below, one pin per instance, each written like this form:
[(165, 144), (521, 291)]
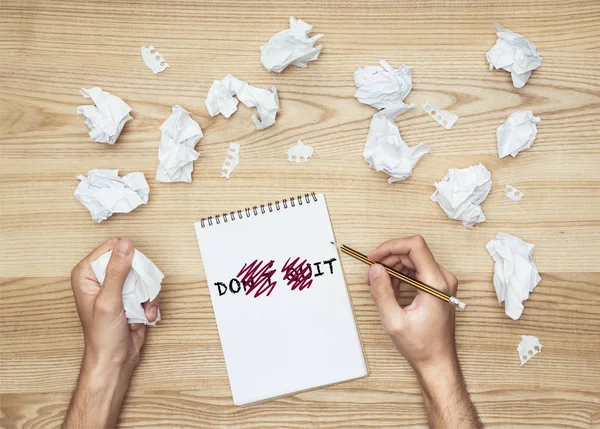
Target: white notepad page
[(289, 340)]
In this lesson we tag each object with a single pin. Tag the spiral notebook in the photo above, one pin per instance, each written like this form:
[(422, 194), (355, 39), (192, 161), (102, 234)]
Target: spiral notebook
[(281, 304)]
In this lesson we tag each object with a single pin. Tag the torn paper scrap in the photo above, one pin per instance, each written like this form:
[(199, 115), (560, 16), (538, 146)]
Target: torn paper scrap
[(515, 272), (386, 151), (515, 54), (517, 133), (382, 86), (104, 193), (291, 46), (176, 154), (442, 117), (512, 193), (528, 348), (107, 117), (232, 159), (461, 192), (221, 99), (299, 152), (142, 284), (154, 60)]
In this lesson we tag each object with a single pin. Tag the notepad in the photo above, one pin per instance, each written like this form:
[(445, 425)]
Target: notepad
[(281, 304)]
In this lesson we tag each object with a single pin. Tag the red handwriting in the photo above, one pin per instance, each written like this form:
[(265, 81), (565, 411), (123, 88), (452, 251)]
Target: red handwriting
[(257, 277), (297, 274)]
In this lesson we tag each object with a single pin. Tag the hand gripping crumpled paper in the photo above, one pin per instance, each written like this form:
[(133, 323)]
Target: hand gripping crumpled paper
[(515, 54), (220, 99), (104, 193), (461, 191), (517, 133), (176, 154), (382, 86), (515, 272), (386, 151), (142, 284), (291, 46), (107, 117)]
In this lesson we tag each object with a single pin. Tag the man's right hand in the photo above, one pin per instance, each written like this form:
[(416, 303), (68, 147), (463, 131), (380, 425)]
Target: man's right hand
[(423, 331)]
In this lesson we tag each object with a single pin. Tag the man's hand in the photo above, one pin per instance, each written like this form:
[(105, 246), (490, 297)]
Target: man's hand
[(112, 346), (423, 331)]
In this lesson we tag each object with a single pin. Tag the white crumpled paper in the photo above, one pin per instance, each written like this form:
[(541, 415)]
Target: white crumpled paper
[(515, 272), (461, 191), (515, 54), (299, 152), (232, 159), (386, 151), (291, 46), (154, 60), (104, 193), (382, 86), (142, 284), (528, 348), (176, 154), (221, 99), (517, 133), (107, 117)]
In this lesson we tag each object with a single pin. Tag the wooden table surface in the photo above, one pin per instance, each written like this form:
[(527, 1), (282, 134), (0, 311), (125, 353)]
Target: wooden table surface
[(50, 50)]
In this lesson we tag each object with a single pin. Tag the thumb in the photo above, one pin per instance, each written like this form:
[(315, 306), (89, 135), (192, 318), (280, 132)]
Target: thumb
[(117, 271), (392, 315)]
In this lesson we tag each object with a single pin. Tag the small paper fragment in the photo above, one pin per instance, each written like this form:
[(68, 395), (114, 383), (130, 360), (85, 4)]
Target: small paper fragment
[(461, 192), (386, 151), (517, 133), (154, 60), (291, 46), (442, 117), (176, 154), (142, 284), (512, 193), (107, 117), (515, 54), (528, 348), (382, 86), (221, 99), (104, 193), (232, 159), (515, 272), (299, 152)]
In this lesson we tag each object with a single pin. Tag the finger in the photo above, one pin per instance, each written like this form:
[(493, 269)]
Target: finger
[(105, 247), (151, 309), (416, 249), (392, 261), (83, 270), (451, 280), (116, 272), (392, 315), (138, 334)]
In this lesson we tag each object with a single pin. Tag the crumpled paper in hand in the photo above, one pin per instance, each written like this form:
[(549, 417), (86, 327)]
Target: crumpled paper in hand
[(515, 272), (291, 46), (386, 151), (142, 284), (517, 133), (515, 54), (461, 192), (221, 99), (176, 154), (104, 193), (107, 117), (382, 86)]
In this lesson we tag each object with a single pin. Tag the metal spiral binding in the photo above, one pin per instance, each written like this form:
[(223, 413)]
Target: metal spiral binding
[(256, 210)]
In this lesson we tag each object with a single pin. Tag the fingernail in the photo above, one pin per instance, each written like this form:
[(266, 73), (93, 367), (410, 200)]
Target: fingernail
[(153, 313), (375, 271), (124, 248)]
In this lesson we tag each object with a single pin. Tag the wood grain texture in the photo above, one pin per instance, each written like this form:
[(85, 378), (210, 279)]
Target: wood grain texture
[(51, 49)]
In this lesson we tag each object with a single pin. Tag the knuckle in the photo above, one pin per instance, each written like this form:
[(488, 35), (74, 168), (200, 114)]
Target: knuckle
[(419, 241), (103, 306), (393, 329)]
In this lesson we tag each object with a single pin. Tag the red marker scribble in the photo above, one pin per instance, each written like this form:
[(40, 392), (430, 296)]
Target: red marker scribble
[(298, 275), (257, 278)]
